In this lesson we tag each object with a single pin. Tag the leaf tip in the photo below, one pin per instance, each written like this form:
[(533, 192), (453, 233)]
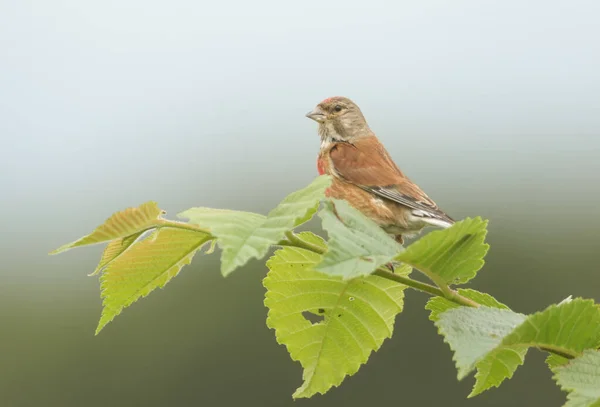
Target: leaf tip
[(184, 215), (227, 268), (61, 249), (474, 392), (101, 324), (566, 300)]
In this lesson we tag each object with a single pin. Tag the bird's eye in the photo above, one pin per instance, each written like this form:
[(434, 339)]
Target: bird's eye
[(337, 108)]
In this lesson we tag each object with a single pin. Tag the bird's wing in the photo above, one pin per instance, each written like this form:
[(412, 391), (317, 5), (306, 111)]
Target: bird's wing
[(368, 165)]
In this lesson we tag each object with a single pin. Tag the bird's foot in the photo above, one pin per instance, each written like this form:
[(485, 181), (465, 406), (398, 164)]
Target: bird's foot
[(393, 265)]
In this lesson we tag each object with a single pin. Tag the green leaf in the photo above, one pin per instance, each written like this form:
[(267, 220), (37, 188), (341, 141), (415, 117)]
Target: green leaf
[(450, 256), (482, 298), (553, 361), (494, 340), (357, 245), (474, 332), (114, 249), (313, 239), (498, 365), (241, 235), (121, 224), (437, 305), (147, 265), (244, 235), (581, 378), (355, 317), (569, 328)]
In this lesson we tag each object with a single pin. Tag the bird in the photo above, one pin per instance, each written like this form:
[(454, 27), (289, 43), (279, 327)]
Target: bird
[(364, 174)]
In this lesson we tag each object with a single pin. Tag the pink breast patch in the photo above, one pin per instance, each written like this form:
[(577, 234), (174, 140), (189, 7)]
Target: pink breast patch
[(320, 166)]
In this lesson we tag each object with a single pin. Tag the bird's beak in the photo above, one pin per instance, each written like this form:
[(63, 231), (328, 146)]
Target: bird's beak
[(317, 114)]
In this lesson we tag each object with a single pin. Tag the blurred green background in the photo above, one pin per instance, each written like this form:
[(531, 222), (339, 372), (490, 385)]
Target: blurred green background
[(492, 107)]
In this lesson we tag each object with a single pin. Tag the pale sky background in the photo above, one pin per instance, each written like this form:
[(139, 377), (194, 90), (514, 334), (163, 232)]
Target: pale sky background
[(493, 107)]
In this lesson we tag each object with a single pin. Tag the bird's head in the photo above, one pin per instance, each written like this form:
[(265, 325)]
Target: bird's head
[(339, 118)]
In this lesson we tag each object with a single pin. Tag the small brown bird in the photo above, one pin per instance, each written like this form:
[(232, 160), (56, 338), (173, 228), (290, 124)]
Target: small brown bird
[(365, 175)]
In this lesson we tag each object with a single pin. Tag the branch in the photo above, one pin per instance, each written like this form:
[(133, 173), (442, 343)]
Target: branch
[(445, 291), (417, 285), (449, 294), (441, 291)]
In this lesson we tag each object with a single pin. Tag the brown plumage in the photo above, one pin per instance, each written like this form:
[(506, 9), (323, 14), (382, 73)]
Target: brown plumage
[(365, 175)]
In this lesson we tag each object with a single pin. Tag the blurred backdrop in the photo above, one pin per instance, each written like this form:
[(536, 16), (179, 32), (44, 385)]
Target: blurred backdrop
[(493, 107)]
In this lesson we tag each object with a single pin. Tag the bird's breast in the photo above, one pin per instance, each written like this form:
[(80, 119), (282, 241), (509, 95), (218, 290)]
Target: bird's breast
[(321, 165), (324, 164)]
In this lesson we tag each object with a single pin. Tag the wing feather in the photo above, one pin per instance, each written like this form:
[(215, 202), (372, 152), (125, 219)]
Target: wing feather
[(369, 166)]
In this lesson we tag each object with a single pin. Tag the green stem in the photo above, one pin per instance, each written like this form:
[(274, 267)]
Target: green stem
[(565, 353), (447, 292), (294, 240), (417, 285), (164, 223), (454, 296)]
